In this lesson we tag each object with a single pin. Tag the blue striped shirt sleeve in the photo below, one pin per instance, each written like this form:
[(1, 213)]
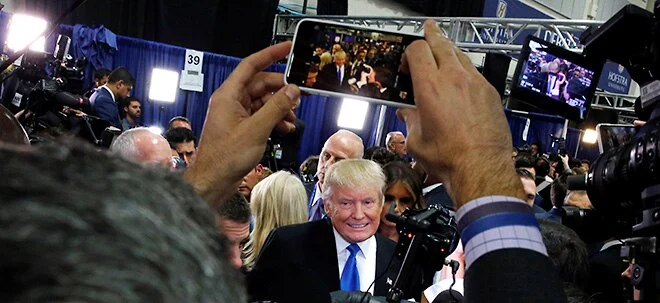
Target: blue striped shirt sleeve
[(497, 222)]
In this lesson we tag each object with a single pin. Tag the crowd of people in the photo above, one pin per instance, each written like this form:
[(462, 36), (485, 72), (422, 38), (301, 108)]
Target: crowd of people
[(367, 68), (127, 226)]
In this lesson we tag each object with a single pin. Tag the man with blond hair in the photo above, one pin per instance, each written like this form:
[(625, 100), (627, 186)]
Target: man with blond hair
[(343, 251), (335, 76)]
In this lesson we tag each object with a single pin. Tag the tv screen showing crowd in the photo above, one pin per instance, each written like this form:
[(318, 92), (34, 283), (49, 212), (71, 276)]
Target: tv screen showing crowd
[(555, 77)]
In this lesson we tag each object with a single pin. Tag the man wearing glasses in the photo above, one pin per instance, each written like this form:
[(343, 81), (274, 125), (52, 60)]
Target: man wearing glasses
[(396, 142)]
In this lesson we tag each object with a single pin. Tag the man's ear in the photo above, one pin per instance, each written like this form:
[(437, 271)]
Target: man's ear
[(259, 168), (125, 109), (327, 207)]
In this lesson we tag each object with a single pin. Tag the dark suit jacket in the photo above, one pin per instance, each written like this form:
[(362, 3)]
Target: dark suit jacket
[(513, 275), (312, 246), (439, 196), (605, 272), (327, 78), (105, 107), (309, 188)]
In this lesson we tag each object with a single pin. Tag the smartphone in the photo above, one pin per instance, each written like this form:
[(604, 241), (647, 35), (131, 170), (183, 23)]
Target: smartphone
[(348, 61), (614, 135)]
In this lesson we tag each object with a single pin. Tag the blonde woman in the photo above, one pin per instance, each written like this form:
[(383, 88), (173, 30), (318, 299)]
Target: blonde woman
[(325, 59), (278, 200)]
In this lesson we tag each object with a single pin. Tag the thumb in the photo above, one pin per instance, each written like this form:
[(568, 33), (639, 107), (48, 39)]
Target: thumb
[(276, 109), (403, 113)]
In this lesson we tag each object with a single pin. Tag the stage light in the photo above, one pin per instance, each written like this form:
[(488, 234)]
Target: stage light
[(155, 129), (352, 114), (164, 84), (23, 29), (590, 136)]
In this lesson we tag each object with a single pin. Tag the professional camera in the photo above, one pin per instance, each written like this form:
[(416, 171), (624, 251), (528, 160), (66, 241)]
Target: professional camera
[(623, 184), (44, 91), (426, 238)]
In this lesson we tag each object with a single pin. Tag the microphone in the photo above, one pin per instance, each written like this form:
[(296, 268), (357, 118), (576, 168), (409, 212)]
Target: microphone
[(453, 264), (71, 100)]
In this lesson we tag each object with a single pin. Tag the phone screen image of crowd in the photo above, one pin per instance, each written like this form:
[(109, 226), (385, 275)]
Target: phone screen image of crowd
[(555, 77), (362, 63)]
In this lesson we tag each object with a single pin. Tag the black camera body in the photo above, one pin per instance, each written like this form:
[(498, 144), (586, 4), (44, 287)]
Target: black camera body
[(426, 238), (623, 184), (42, 86)]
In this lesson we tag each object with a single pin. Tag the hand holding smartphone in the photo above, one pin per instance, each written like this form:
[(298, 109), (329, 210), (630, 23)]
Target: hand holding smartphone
[(340, 60)]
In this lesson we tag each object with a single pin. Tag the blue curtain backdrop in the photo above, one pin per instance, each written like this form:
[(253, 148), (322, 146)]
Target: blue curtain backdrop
[(319, 113)]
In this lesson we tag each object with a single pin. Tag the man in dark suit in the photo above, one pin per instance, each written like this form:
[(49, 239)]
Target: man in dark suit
[(357, 66), (344, 251), (335, 76), (341, 145), (434, 191), (105, 99)]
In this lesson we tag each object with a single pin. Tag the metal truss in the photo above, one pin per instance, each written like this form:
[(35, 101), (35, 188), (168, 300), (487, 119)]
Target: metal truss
[(470, 34), (622, 104)]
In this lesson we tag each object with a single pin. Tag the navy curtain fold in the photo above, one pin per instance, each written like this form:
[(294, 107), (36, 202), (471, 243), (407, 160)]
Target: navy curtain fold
[(540, 130), (390, 123), (517, 127)]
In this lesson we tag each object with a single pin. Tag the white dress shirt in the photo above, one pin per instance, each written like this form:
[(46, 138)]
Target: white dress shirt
[(429, 188), (365, 259), (317, 194)]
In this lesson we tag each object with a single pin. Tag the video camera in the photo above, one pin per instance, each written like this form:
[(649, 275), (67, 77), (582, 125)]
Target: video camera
[(426, 238), (623, 184), (44, 91)]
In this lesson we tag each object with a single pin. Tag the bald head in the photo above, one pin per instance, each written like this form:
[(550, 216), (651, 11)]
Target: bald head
[(396, 142), (140, 145), (341, 145)]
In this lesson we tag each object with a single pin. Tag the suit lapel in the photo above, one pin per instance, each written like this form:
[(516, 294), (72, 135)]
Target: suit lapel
[(384, 251), (326, 251)]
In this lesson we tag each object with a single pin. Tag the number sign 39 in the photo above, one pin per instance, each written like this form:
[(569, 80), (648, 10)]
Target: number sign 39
[(194, 60)]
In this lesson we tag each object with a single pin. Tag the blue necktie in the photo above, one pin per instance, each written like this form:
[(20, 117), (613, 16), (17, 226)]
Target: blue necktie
[(339, 74), (350, 279)]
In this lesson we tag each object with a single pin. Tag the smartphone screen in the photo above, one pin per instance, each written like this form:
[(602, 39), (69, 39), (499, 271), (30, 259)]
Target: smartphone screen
[(614, 135), (353, 62)]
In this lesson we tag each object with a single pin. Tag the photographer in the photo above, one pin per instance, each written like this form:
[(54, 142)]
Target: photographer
[(437, 129)]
